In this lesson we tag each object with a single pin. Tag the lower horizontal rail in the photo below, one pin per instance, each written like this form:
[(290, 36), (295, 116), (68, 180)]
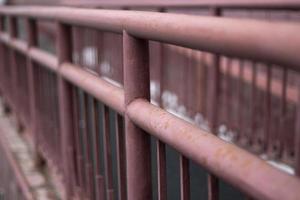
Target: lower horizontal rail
[(109, 94), (242, 169)]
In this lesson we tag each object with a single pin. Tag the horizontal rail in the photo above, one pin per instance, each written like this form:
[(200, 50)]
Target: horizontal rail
[(169, 3), (109, 94), (238, 167), (240, 38), (249, 39), (184, 137)]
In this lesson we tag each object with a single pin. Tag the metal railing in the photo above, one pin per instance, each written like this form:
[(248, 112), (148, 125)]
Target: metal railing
[(66, 102)]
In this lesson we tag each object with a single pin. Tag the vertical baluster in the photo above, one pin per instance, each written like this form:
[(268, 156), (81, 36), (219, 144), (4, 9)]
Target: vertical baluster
[(90, 131), (64, 52), (240, 99), (13, 65), (120, 143), (283, 111), (2, 71), (87, 153), (184, 178), (214, 96), (214, 88), (161, 170), (267, 109), (76, 144), (160, 146), (1, 23), (297, 141), (138, 150), (253, 103), (97, 149), (80, 145), (107, 154)]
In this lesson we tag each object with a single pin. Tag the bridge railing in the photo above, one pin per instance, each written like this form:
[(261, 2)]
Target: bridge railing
[(92, 130)]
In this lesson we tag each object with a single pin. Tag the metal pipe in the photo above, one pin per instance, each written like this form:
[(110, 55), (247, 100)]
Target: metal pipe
[(257, 4), (250, 39), (223, 159), (137, 142), (64, 51), (105, 92)]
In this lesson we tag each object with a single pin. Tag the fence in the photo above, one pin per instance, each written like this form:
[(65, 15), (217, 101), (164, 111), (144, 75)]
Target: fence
[(77, 117)]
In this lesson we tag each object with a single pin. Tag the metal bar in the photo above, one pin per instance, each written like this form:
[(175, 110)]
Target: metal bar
[(120, 143), (100, 193), (87, 151), (138, 151), (49, 60), (241, 130), (267, 4), (100, 89), (267, 110), (184, 178), (78, 127), (254, 103), (214, 89), (107, 151), (65, 138), (2, 23), (283, 111), (236, 41), (89, 134), (13, 65), (221, 158), (161, 170), (32, 37), (76, 143), (297, 139), (160, 146)]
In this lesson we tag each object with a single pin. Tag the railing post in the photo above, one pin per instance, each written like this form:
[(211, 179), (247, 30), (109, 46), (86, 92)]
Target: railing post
[(31, 42), (64, 52), (137, 142), (297, 136), (12, 29), (213, 181), (1, 56)]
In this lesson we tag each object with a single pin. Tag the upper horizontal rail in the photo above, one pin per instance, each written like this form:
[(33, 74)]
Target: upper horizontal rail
[(292, 4), (274, 43)]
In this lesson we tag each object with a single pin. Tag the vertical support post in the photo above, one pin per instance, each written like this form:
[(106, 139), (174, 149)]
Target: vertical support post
[(297, 139), (1, 23), (136, 85), (64, 52), (12, 26), (160, 146), (1, 57), (120, 143), (31, 42), (213, 181)]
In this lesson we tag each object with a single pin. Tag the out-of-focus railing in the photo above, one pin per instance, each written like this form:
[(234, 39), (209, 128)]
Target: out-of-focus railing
[(13, 184), (96, 133)]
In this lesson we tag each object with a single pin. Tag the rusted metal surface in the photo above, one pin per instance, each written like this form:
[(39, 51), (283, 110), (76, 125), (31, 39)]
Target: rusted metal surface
[(75, 84), (183, 137), (137, 142)]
